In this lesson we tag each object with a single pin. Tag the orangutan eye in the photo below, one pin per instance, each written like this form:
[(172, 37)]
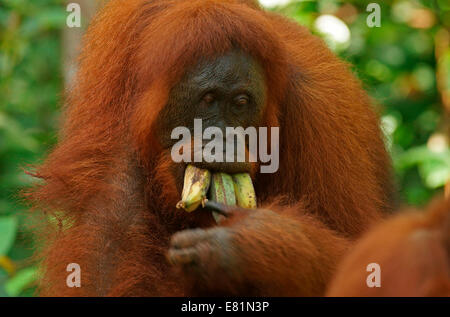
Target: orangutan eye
[(209, 98), (242, 100)]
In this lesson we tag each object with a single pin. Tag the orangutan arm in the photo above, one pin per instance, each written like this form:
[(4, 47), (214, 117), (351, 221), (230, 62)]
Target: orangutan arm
[(259, 253)]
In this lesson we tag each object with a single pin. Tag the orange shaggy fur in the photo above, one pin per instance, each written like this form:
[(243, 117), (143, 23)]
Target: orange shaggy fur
[(413, 251), (111, 183)]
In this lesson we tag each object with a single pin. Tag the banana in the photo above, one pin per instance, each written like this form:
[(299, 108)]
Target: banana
[(195, 187), (245, 193), (222, 191)]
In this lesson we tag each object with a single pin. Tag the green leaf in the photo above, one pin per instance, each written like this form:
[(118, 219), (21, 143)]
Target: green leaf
[(435, 173), (22, 280), (8, 228), (419, 155)]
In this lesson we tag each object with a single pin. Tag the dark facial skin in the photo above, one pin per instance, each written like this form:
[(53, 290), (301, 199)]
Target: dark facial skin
[(228, 91)]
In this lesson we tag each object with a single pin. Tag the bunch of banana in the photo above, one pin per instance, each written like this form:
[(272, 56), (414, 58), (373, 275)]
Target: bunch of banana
[(227, 189)]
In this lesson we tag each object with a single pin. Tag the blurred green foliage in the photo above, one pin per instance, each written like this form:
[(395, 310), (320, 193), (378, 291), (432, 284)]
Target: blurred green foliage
[(396, 63), (30, 88)]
